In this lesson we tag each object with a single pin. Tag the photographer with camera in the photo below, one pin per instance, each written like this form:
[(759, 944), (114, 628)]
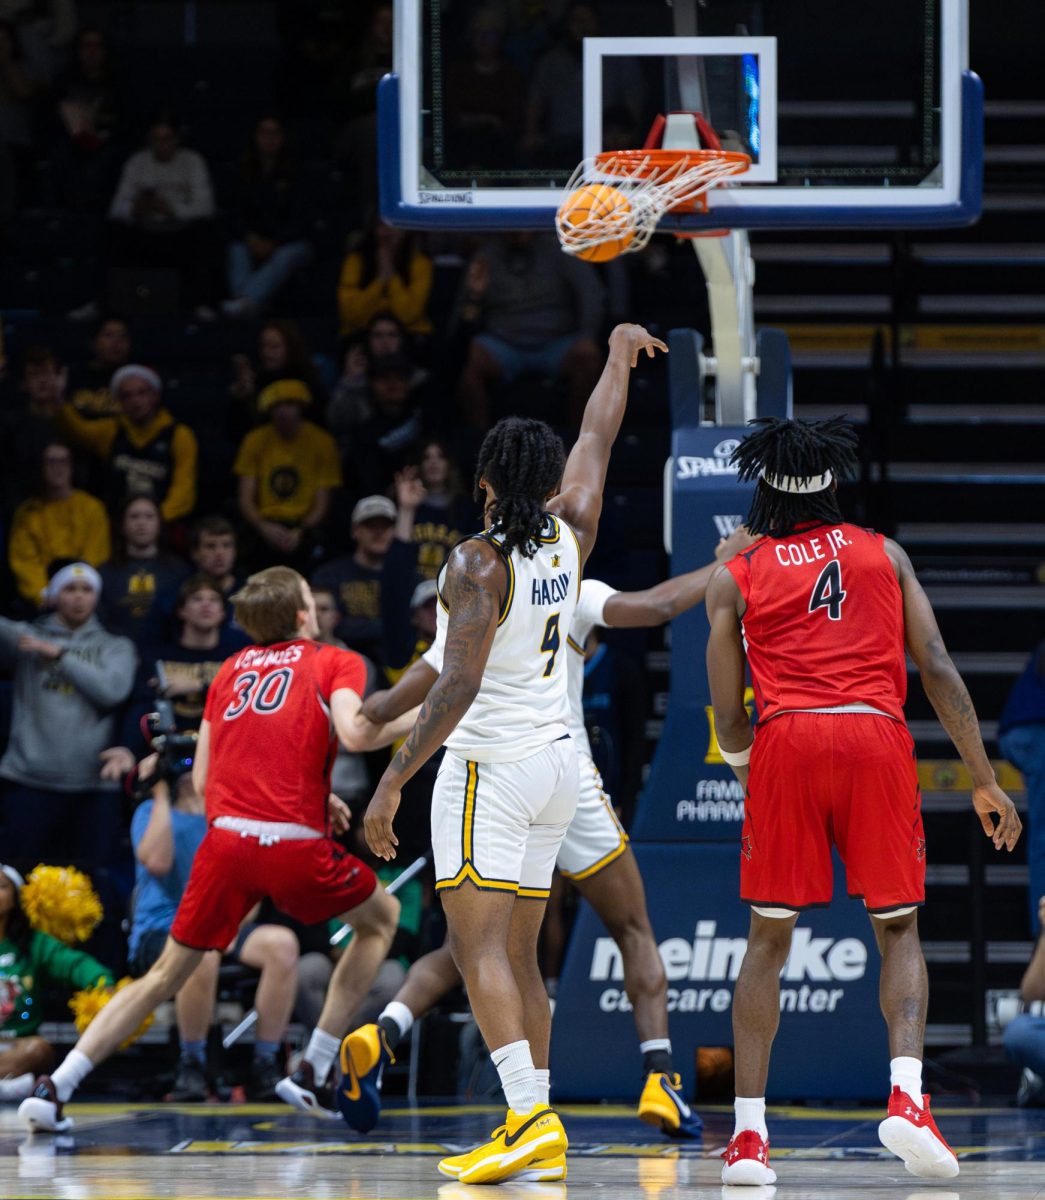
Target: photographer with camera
[(262, 761), (166, 831)]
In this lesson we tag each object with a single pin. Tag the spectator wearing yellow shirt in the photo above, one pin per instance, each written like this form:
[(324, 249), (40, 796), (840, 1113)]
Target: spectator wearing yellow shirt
[(146, 451), (60, 521), (287, 470), (386, 274)]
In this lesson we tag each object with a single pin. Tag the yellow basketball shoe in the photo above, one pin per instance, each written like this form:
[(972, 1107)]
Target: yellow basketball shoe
[(525, 1142), (662, 1104)]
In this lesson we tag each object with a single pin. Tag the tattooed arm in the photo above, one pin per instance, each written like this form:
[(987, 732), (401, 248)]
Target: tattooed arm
[(950, 698), (474, 590)]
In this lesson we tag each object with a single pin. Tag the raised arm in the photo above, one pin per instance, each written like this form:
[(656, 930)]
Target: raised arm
[(660, 604), (950, 698), (474, 588), (725, 660), (579, 502)]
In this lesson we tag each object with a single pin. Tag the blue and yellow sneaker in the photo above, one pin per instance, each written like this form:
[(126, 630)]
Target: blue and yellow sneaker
[(364, 1055), (528, 1147), (661, 1104)]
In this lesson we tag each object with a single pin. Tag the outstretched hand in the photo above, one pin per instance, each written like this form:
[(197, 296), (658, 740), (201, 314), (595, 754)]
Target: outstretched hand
[(988, 799), (635, 339), (377, 821)]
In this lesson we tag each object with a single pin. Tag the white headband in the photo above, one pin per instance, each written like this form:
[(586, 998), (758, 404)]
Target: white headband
[(135, 371), (73, 573), (13, 875), (799, 485)]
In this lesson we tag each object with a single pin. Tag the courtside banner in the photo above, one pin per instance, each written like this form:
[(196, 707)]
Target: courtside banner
[(691, 794), (831, 1043)]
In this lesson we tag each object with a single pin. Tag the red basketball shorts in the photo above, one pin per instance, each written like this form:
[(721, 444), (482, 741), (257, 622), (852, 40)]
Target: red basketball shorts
[(311, 880), (819, 780)]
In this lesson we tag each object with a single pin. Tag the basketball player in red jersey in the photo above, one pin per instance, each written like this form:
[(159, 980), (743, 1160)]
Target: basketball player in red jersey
[(823, 611), (263, 759)]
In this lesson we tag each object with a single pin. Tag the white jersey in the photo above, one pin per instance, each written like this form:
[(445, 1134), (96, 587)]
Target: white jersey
[(523, 701), (589, 613)]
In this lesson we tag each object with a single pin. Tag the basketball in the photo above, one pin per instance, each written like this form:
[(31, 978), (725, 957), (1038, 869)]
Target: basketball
[(593, 211)]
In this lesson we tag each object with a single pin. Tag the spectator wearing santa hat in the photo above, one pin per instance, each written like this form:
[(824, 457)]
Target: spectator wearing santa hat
[(145, 450)]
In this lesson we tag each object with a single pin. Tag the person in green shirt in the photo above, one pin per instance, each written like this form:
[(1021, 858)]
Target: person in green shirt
[(29, 962)]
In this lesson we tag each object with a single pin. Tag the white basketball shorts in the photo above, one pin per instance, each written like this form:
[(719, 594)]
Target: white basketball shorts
[(595, 837), (500, 825)]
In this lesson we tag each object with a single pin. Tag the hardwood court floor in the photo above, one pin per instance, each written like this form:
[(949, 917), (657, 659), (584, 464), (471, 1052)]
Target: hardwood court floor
[(195, 1152)]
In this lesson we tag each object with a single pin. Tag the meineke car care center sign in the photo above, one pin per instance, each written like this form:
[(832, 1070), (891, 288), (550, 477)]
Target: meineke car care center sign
[(828, 988)]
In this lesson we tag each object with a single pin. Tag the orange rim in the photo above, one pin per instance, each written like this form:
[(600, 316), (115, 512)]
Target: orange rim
[(644, 162), (640, 164)]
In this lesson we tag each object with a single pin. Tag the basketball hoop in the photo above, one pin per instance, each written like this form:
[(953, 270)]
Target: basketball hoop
[(648, 183)]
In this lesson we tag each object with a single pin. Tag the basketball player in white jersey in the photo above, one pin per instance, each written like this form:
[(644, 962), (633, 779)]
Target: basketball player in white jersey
[(594, 855), (507, 787)]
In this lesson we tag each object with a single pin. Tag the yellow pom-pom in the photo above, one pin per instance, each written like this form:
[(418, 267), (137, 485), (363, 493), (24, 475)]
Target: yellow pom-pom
[(87, 1004), (60, 901)]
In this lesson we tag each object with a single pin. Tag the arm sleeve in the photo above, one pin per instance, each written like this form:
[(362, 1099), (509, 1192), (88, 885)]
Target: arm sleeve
[(96, 436), (409, 298), (181, 495), (398, 580), (592, 603), (434, 654), (23, 554), (108, 683), (67, 967)]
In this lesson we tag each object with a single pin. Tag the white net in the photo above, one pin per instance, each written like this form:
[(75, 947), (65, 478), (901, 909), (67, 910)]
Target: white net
[(623, 196)]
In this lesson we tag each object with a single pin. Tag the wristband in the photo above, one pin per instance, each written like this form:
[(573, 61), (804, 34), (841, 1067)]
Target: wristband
[(740, 758)]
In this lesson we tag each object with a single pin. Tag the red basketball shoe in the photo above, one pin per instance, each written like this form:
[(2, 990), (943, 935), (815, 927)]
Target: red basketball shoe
[(911, 1134), (747, 1160)]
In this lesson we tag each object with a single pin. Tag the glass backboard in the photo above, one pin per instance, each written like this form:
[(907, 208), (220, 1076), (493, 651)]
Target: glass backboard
[(854, 115)]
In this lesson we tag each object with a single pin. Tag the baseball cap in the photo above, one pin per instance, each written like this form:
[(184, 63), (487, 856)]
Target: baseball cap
[(284, 391), (426, 590), (373, 506)]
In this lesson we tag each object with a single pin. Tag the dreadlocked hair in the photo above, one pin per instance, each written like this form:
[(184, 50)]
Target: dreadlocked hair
[(523, 461), (802, 450)]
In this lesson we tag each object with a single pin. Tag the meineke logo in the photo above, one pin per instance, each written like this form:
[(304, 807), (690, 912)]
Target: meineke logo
[(714, 960)]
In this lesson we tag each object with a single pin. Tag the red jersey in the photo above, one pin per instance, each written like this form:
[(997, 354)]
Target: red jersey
[(272, 742), (824, 621)]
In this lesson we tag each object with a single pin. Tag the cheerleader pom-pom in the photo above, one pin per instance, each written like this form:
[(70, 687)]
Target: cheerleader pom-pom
[(60, 901), (87, 1004)]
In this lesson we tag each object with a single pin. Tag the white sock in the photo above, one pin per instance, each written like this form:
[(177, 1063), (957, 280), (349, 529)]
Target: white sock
[(398, 1012), (17, 1087), (750, 1114), (544, 1085), (321, 1051), (906, 1074), (518, 1076), (655, 1044), (73, 1071)]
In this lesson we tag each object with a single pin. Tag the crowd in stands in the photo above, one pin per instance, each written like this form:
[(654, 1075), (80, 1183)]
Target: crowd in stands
[(354, 389)]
